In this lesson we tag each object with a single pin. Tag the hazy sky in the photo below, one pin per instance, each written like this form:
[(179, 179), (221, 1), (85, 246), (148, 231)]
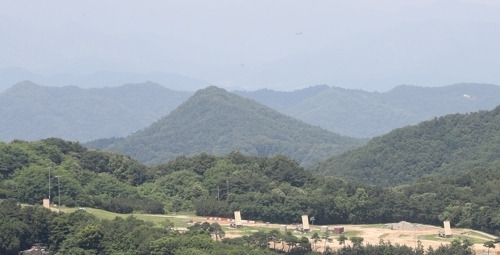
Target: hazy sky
[(288, 44)]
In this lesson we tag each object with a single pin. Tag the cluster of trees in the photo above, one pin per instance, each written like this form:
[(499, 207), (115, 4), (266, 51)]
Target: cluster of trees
[(79, 177), (82, 233), (275, 189), (446, 145), (383, 248)]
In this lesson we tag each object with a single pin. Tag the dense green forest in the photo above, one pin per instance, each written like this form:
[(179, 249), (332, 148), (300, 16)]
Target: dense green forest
[(275, 189), (217, 122), (446, 145)]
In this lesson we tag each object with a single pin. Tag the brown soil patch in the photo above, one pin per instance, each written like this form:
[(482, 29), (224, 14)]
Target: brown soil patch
[(403, 233)]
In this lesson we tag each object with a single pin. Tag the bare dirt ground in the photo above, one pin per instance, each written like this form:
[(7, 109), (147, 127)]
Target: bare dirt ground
[(402, 233)]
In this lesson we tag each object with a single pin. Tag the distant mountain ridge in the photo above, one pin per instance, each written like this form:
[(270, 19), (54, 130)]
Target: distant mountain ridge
[(218, 122), (360, 113), (13, 75), (451, 144), (31, 112)]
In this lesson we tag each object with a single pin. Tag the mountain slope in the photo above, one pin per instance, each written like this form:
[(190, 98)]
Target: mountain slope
[(218, 122), (446, 145), (30, 112), (360, 113), (282, 100)]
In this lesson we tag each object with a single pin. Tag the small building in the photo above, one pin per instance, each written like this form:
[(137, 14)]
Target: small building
[(338, 230)]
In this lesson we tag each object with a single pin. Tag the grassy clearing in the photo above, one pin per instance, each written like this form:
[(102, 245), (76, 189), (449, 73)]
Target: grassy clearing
[(474, 240), (350, 233), (479, 235), (435, 237), (157, 219)]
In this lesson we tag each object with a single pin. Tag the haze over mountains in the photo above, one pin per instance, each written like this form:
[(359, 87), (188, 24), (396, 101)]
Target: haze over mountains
[(218, 122), (31, 112), (366, 45), (101, 79), (360, 113)]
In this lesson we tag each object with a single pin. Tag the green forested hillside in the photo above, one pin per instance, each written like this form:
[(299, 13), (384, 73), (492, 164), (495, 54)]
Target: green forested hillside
[(217, 122), (87, 178), (31, 112), (360, 113), (274, 189), (446, 145)]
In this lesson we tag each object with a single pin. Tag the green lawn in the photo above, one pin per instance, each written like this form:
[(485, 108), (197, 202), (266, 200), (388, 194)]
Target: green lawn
[(155, 218), (473, 239), (350, 233), (480, 235)]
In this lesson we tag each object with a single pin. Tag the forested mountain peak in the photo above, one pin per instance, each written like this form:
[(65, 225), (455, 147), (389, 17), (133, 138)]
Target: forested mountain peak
[(446, 145), (216, 121)]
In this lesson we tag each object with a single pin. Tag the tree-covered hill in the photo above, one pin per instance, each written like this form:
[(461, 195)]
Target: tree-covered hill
[(446, 145), (31, 112), (274, 189), (218, 122), (86, 177), (360, 113)]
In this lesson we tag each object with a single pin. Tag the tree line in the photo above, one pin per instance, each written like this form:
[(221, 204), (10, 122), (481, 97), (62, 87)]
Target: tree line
[(275, 189), (80, 232)]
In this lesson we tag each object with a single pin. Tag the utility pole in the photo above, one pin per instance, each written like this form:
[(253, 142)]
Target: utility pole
[(219, 190), (59, 192), (49, 186)]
